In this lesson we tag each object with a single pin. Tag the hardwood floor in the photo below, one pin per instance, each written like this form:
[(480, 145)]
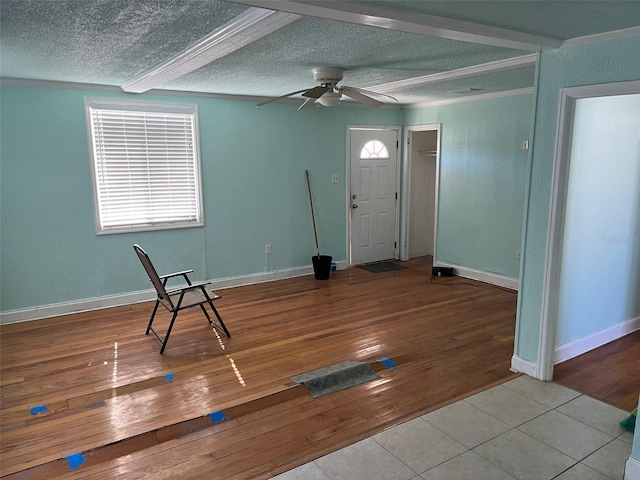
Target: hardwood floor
[(230, 410), (609, 373)]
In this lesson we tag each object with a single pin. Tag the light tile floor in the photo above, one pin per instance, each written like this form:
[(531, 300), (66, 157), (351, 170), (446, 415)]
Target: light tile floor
[(523, 429)]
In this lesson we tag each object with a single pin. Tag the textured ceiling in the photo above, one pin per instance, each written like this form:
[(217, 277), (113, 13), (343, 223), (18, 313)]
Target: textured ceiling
[(100, 41), (110, 42), (377, 56)]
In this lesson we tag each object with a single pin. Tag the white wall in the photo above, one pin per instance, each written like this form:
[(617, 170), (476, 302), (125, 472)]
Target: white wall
[(600, 271)]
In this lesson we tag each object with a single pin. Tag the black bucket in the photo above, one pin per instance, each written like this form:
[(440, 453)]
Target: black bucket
[(321, 266)]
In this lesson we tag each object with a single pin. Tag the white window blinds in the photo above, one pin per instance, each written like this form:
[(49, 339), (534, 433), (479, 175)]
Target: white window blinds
[(146, 167)]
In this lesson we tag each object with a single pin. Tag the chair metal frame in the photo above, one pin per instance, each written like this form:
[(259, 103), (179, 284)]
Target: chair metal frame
[(179, 298)]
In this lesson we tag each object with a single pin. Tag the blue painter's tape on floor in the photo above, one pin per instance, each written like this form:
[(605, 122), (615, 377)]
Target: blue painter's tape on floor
[(217, 417), (169, 377), (388, 362), (39, 409), (75, 460)]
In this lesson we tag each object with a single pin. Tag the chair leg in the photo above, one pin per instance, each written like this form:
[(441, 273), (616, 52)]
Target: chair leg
[(224, 327), (166, 337), (206, 314), (153, 314)]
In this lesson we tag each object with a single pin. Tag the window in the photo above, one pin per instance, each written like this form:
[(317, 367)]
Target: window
[(374, 149), (146, 165)]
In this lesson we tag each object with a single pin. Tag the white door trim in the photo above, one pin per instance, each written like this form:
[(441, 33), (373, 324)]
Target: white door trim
[(406, 192), (557, 213), (347, 182)]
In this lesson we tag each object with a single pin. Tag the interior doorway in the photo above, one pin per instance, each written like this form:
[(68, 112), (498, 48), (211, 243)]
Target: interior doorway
[(421, 162), (592, 128)]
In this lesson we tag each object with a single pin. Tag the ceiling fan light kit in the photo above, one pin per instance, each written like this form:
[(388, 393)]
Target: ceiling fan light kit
[(328, 93), (329, 99)]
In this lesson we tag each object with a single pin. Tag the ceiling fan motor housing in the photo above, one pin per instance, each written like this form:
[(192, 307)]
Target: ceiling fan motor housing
[(328, 75)]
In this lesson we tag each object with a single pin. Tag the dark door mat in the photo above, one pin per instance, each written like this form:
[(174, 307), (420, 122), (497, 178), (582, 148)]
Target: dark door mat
[(336, 377), (383, 267)]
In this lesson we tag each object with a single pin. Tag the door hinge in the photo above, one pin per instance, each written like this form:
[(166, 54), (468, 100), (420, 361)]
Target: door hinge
[(396, 195), (395, 244), (397, 143)]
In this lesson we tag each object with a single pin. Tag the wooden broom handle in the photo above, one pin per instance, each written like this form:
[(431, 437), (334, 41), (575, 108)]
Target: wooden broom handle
[(313, 216)]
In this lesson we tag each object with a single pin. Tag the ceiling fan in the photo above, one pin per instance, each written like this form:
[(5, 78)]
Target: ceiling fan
[(328, 93)]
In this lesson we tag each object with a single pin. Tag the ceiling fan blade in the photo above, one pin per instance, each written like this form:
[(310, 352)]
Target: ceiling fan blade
[(309, 102), (360, 97), (372, 93), (279, 98), (316, 92)]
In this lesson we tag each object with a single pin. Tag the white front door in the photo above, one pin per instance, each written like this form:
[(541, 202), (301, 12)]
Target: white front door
[(373, 194)]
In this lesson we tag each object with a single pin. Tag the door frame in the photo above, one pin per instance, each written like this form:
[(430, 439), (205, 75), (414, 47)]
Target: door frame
[(557, 213), (347, 182), (406, 193)]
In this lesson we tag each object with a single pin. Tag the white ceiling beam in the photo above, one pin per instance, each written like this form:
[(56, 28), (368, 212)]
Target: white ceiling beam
[(472, 71), (409, 22), (247, 27)]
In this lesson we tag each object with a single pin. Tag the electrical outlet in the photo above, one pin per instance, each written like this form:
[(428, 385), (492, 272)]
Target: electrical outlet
[(335, 178), (267, 248), (525, 144)]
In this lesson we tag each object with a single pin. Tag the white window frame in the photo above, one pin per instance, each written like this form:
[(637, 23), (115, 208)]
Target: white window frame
[(92, 104)]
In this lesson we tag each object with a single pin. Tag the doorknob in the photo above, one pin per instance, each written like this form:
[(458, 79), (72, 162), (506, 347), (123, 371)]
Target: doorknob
[(354, 206), (354, 196)]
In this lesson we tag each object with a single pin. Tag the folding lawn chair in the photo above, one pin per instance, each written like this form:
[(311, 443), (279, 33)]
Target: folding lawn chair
[(178, 298)]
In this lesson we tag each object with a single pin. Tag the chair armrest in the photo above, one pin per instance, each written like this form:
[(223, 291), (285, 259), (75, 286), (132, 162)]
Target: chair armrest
[(193, 286), (187, 287), (175, 274)]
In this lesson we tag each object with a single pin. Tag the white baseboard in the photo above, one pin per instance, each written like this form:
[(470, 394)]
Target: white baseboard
[(77, 306), (421, 253), (520, 365), (632, 469), (595, 340), (486, 277)]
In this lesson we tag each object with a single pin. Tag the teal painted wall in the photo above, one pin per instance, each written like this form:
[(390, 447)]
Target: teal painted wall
[(602, 226), (598, 63), (482, 180), (253, 164)]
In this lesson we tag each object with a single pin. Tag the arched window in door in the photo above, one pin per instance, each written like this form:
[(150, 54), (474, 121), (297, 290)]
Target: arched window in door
[(374, 149)]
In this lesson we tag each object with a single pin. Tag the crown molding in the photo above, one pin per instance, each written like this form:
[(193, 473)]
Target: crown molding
[(481, 69), (602, 37), (92, 87), (474, 98), (35, 83)]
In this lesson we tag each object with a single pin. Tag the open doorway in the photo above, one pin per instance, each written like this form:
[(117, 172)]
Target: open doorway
[(421, 180), (591, 294)]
